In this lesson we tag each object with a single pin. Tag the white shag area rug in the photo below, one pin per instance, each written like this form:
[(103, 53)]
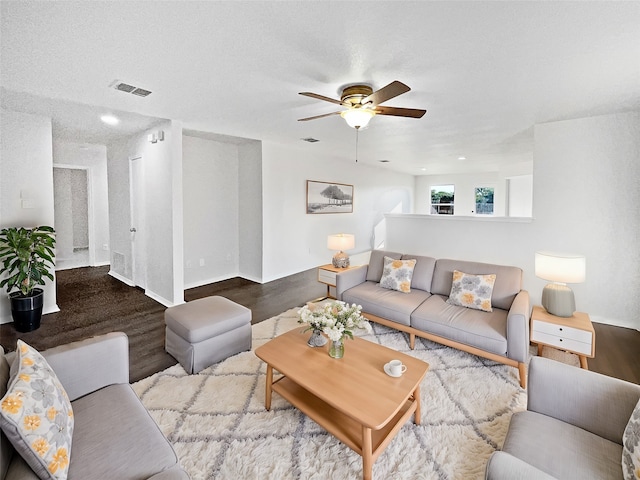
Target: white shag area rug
[(217, 423)]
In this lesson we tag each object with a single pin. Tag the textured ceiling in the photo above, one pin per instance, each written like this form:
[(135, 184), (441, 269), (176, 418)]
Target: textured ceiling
[(485, 71)]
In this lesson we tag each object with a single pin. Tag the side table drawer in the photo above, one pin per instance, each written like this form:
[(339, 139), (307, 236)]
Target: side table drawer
[(562, 343), (563, 331), (327, 277)]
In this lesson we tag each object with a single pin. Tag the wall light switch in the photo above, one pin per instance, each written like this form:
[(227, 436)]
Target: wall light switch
[(161, 135), (153, 138), (28, 203)]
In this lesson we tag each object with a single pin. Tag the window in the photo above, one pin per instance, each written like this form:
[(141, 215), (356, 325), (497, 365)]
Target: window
[(442, 199), (484, 201)]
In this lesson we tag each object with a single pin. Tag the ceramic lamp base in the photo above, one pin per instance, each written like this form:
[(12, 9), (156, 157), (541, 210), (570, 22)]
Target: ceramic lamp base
[(558, 300), (340, 260)]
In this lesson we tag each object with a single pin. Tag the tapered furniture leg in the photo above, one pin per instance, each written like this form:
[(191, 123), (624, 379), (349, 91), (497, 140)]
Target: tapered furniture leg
[(268, 383), (367, 454)]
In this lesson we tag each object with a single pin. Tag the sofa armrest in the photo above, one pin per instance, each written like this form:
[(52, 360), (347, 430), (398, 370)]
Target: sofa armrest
[(176, 473), (599, 404), (503, 466), (518, 328), (89, 365), (350, 278)]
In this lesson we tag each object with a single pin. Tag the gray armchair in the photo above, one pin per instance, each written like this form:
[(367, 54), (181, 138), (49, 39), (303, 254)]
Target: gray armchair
[(114, 436), (572, 428)]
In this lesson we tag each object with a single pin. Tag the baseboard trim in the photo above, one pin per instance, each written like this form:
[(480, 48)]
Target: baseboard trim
[(160, 299), (123, 279), (208, 281)]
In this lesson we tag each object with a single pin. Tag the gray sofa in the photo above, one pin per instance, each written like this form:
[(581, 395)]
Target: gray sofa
[(114, 436), (501, 335), (572, 428)]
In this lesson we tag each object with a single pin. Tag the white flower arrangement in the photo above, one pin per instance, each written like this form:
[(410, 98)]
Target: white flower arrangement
[(336, 319)]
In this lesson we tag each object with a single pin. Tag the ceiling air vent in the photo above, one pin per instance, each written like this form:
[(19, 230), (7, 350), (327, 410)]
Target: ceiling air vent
[(310, 140), (125, 87)]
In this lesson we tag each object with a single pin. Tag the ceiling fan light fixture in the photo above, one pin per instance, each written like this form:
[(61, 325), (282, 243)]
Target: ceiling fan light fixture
[(358, 117)]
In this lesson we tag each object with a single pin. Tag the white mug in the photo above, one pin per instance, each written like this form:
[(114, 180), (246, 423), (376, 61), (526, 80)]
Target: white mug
[(396, 367)]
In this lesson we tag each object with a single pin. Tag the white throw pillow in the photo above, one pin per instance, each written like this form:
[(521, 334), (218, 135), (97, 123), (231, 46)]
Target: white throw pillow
[(472, 291), (631, 446), (36, 415), (397, 274)]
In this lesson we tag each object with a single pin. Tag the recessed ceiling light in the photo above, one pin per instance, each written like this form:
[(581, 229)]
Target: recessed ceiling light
[(110, 119), (423, 169), (462, 158)]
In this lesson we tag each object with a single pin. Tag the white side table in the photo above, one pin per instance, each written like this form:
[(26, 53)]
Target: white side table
[(573, 334)]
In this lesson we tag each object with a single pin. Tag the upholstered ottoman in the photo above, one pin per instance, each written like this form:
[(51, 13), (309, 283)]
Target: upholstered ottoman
[(205, 331)]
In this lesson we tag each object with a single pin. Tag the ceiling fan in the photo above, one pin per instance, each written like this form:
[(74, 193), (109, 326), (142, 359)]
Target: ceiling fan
[(363, 104)]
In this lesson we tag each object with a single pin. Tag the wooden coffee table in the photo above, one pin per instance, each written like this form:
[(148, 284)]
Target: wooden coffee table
[(352, 397)]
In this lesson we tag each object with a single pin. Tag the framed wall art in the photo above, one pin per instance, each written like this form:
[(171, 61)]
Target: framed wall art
[(326, 197)]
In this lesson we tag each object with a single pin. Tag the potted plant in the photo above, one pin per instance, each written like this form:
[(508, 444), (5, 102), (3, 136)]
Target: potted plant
[(27, 257)]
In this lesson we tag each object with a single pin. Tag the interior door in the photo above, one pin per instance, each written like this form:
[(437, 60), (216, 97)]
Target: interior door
[(137, 229)]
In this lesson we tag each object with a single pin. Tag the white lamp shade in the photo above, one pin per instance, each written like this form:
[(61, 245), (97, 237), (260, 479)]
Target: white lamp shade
[(358, 117), (556, 267), (341, 242)]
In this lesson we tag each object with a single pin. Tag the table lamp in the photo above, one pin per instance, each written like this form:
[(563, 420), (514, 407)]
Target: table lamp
[(340, 242), (560, 269)]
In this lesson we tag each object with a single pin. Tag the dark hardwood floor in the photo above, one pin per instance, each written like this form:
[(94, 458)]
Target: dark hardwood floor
[(92, 303)]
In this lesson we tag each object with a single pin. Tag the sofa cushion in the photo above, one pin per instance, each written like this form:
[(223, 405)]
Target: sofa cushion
[(508, 279), (397, 274), (115, 437), (36, 414), (422, 272), (631, 446), (472, 291), (389, 304), (484, 330), (376, 264), (561, 449)]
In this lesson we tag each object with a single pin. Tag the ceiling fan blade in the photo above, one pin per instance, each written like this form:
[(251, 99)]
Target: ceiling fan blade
[(400, 112), (392, 90), (321, 97), (319, 116)]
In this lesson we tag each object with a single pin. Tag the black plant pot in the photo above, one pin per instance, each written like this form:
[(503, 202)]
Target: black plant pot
[(27, 311)]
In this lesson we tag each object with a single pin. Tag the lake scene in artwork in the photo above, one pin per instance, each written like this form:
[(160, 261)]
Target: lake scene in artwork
[(325, 197)]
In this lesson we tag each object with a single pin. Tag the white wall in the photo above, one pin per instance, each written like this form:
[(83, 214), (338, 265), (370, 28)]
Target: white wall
[(585, 200), (250, 210), (211, 244), (520, 196), (294, 240), (94, 158), (222, 208), (26, 183), (163, 210)]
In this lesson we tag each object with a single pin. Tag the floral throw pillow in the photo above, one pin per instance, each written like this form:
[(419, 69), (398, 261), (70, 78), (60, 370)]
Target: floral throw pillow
[(631, 446), (472, 291), (397, 274), (36, 415)]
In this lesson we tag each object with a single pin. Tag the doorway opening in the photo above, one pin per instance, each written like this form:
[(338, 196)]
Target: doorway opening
[(72, 217)]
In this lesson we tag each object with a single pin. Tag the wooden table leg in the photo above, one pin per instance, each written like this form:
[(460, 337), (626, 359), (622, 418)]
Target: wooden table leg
[(539, 350), (367, 454), (583, 362), (417, 418), (268, 383)]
